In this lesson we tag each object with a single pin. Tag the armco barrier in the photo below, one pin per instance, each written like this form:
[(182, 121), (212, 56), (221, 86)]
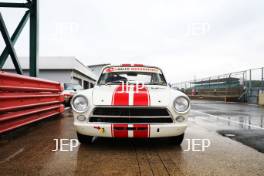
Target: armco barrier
[(24, 100)]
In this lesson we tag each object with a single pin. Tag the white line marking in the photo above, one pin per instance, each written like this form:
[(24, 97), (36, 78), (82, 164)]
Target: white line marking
[(222, 118), (131, 95), (130, 132), (148, 96), (12, 156)]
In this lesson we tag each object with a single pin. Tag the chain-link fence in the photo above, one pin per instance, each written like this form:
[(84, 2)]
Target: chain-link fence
[(251, 82)]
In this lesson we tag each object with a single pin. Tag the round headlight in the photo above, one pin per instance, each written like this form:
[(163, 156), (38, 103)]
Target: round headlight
[(181, 104), (80, 103)]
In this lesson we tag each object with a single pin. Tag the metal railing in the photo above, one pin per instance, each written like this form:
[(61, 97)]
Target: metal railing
[(251, 80)]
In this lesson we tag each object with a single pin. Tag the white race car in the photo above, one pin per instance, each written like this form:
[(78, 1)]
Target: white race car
[(130, 101)]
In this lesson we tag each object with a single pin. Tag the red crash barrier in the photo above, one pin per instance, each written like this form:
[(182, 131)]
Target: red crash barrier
[(14, 82), (24, 100)]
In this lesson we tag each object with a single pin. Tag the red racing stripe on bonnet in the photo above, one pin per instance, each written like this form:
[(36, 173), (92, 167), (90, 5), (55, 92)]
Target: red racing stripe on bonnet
[(120, 96)]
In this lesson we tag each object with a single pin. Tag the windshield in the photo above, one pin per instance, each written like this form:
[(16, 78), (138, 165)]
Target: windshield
[(132, 78), (70, 86)]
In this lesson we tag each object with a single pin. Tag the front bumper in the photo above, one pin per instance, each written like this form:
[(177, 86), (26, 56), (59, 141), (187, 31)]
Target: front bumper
[(130, 130)]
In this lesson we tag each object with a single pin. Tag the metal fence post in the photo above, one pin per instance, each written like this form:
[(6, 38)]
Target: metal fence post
[(33, 56), (243, 81), (262, 77), (250, 83)]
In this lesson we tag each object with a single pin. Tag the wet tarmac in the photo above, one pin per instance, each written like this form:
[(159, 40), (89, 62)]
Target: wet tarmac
[(240, 122), (29, 151)]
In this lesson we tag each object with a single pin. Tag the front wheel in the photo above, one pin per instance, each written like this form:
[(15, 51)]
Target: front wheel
[(177, 140), (84, 139)]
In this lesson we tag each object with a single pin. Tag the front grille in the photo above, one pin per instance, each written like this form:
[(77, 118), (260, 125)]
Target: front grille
[(130, 111), (130, 115), (130, 120)]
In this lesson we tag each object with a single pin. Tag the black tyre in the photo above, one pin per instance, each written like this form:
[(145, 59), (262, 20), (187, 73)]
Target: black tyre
[(177, 140), (84, 139)]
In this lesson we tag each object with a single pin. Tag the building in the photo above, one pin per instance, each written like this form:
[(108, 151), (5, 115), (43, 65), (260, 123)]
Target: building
[(60, 69), (96, 69)]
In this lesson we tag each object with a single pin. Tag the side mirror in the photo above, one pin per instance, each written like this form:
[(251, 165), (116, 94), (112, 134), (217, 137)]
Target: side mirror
[(75, 90)]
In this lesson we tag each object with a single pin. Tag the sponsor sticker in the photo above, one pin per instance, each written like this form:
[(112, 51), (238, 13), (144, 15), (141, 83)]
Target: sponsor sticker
[(126, 69)]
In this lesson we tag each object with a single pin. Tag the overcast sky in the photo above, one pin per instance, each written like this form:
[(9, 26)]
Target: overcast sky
[(186, 39)]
